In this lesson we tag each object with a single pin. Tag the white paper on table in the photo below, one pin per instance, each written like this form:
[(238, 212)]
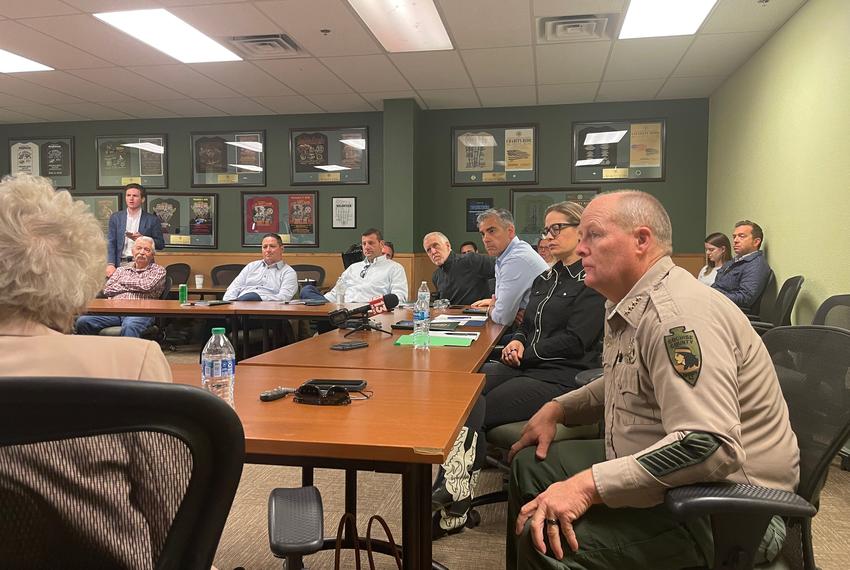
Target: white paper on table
[(459, 334), (462, 319)]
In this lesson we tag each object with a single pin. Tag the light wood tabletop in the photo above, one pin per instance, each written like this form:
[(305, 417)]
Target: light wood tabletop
[(153, 307)]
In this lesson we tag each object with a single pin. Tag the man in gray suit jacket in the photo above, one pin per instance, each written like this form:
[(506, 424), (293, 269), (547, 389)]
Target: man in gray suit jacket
[(126, 226)]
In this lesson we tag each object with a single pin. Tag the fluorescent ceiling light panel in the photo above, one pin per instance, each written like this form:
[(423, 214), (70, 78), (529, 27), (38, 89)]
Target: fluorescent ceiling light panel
[(13, 63), (356, 143), (332, 168), (250, 167), (609, 137), (146, 146), (404, 25), (169, 34), (659, 18), (589, 162), (477, 140), (253, 146)]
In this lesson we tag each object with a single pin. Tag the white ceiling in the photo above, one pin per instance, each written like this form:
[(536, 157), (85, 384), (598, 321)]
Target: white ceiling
[(101, 73)]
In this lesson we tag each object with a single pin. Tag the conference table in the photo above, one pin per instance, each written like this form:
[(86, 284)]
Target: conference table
[(409, 424), (382, 354)]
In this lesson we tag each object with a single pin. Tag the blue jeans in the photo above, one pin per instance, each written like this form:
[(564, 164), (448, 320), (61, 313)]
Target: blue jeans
[(130, 326), (311, 292), (249, 297)]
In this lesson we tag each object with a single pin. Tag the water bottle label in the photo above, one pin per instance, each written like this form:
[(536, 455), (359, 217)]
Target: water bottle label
[(420, 315), (216, 368)]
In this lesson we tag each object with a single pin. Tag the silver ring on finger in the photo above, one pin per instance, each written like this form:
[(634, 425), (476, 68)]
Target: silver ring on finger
[(551, 522)]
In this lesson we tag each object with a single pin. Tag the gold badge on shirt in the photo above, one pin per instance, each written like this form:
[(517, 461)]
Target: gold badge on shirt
[(684, 354)]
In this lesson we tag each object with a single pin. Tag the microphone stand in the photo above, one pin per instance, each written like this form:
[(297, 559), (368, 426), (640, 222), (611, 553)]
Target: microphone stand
[(365, 325)]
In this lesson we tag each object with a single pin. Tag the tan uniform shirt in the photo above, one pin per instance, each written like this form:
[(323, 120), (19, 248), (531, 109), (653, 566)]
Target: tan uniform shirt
[(689, 394)]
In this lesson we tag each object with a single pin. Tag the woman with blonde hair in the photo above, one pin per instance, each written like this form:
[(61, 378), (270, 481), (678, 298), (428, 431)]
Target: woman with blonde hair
[(52, 253), (718, 251)]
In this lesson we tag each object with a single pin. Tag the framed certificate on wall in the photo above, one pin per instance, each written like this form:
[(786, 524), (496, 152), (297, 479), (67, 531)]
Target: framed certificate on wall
[(51, 157), (493, 156), (228, 158), (294, 216), (618, 151)]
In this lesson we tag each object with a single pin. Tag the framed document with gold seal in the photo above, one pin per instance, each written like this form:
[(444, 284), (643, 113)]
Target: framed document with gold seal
[(490, 156), (615, 151)]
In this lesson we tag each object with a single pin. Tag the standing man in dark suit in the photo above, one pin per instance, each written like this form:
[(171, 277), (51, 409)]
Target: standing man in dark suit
[(126, 226)]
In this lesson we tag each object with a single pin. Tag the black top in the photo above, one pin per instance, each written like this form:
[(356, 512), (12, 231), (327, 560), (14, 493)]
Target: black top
[(462, 279), (563, 326)]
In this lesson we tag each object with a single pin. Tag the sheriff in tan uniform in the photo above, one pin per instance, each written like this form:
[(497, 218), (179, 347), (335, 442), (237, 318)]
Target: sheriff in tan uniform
[(689, 394)]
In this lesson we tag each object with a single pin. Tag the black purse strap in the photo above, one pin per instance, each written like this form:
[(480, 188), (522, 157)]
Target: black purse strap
[(390, 540), (348, 518)]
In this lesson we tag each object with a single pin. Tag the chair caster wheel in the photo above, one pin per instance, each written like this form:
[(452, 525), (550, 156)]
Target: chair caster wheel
[(845, 463), (473, 519)]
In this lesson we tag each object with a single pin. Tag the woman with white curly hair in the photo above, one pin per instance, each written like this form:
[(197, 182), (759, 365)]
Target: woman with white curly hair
[(51, 265)]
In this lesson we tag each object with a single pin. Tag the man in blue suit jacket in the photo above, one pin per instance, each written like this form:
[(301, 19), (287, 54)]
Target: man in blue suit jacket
[(126, 226)]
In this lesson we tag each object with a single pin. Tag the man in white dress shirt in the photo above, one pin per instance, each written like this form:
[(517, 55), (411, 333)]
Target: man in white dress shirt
[(371, 278), (268, 279)]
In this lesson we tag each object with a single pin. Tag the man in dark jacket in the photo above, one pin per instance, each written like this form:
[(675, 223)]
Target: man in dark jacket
[(462, 279), (744, 277), (126, 226)]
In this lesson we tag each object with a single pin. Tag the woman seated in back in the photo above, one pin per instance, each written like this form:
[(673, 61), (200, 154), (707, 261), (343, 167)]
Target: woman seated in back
[(52, 254), (718, 251), (561, 335)]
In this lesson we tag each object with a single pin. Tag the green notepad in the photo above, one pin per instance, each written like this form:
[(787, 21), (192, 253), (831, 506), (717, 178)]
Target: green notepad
[(407, 340)]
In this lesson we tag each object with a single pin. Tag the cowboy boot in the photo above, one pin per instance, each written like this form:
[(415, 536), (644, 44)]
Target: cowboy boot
[(452, 495)]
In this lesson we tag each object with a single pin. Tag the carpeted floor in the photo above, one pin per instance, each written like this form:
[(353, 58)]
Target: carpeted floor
[(245, 539)]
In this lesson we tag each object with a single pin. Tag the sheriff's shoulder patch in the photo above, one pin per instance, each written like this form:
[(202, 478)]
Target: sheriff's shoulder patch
[(684, 354)]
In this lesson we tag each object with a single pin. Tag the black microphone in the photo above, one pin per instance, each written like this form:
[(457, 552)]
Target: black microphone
[(379, 305)]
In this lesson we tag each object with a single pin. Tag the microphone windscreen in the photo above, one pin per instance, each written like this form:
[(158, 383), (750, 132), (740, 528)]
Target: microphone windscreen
[(391, 301)]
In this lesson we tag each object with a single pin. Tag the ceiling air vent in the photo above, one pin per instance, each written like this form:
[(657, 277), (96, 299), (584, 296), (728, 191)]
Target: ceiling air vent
[(271, 46), (562, 29)]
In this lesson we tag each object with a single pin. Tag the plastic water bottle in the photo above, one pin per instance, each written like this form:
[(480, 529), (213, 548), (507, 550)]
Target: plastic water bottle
[(421, 318), (218, 362), (340, 290)]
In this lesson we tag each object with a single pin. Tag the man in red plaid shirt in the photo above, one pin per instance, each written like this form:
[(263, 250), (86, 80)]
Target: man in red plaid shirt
[(142, 280)]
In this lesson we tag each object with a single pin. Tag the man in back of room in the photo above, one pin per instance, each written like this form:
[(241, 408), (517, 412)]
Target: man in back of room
[(267, 279), (126, 226), (744, 277), (462, 279)]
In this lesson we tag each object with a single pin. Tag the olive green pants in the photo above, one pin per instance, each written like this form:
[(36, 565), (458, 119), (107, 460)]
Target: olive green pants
[(608, 538)]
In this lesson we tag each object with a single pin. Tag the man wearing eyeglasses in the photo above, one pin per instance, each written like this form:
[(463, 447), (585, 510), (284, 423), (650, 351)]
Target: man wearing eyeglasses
[(517, 265), (462, 279), (371, 278)]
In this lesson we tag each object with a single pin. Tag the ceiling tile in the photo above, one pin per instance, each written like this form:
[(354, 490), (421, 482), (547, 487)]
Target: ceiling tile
[(498, 67), (243, 77), (738, 16), (432, 70), (72, 85), (128, 82), (478, 24), (100, 39), (44, 49), (543, 8), (507, 96), (12, 100), (237, 106), (565, 93), (367, 72), (719, 54), (450, 98), (141, 109), (377, 99), (7, 116), (348, 35), (690, 87), (32, 92), (92, 6), (288, 105), (93, 111), (14, 9), (637, 90), (306, 76), (580, 62), (190, 108), (188, 2), (46, 112), (645, 58), (227, 20), (341, 103), (184, 79)]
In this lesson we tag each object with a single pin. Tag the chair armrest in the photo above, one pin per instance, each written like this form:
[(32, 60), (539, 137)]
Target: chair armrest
[(724, 498), (587, 376)]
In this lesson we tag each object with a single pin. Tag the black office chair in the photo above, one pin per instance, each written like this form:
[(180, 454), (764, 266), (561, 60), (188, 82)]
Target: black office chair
[(354, 254), (179, 273), (94, 473), (835, 312), (315, 273), (223, 275), (763, 300), (812, 363), (780, 312)]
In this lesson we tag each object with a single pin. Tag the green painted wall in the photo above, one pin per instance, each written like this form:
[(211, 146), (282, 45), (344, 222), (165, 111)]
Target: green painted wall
[(682, 193), (779, 151), (369, 197), (410, 192)]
